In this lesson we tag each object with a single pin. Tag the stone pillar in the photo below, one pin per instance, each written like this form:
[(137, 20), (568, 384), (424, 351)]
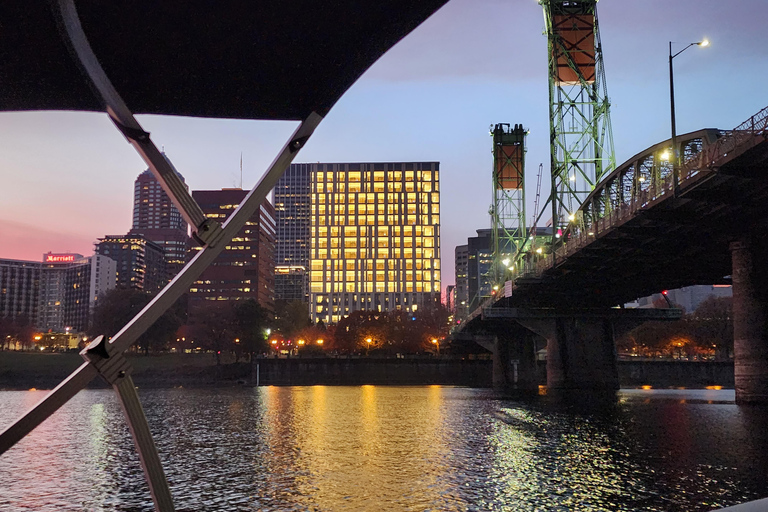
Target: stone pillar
[(750, 312), (514, 359), (499, 363), (581, 352)]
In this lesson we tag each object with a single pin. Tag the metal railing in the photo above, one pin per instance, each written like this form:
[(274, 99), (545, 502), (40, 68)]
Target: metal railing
[(613, 213)]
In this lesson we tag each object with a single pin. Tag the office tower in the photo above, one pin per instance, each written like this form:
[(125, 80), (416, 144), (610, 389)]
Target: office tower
[(479, 266), (291, 197), (375, 238), (245, 268), (70, 286), (461, 255), (19, 289), (140, 262), (450, 298), (155, 217)]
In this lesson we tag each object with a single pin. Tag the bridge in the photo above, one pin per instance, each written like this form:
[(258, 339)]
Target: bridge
[(646, 227)]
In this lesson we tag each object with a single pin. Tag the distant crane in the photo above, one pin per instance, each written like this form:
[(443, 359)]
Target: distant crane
[(535, 219)]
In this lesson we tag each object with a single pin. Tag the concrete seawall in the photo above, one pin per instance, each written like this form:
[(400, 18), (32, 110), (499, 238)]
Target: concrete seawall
[(342, 371), (45, 371), (673, 373)]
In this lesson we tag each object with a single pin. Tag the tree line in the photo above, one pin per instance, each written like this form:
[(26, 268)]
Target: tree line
[(706, 333), (245, 328)]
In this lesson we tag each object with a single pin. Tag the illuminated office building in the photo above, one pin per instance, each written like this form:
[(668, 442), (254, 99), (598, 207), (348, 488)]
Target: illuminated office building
[(245, 268), (375, 238), (140, 261)]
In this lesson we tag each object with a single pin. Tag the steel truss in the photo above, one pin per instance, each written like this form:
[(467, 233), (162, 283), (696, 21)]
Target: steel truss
[(509, 235), (581, 139), (105, 357)]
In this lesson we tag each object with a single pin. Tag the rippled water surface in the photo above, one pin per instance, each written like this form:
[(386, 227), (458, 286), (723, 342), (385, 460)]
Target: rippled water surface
[(392, 448)]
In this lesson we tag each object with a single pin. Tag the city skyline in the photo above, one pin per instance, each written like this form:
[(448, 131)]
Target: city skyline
[(69, 176)]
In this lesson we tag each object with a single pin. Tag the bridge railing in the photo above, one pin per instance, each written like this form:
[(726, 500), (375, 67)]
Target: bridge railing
[(757, 125), (647, 179)]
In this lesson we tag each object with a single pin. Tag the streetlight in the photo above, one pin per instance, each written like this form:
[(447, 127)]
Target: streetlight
[(368, 346), (675, 152), (437, 345)]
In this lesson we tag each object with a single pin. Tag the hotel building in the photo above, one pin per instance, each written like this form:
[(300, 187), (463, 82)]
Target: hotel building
[(375, 238), (58, 293), (70, 286)]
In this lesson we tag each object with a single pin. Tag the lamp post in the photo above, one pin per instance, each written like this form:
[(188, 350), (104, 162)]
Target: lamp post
[(675, 152)]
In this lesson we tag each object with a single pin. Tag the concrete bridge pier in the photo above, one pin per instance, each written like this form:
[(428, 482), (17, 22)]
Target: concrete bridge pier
[(581, 352), (750, 320), (514, 359)]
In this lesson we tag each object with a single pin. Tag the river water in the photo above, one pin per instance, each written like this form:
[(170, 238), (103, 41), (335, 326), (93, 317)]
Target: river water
[(371, 448)]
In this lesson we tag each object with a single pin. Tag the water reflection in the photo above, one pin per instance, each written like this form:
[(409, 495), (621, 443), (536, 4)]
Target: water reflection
[(393, 448)]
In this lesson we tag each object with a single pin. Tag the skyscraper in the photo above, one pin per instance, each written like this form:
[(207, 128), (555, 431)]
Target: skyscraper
[(245, 268), (19, 289), (140, 262), (375, 238), (291, 197), (155, 217)]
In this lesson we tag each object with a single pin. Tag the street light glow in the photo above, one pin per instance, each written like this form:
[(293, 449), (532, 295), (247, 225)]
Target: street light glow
[(705, 42)]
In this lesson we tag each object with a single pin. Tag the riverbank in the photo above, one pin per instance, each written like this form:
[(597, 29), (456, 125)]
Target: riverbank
[(26, 370)]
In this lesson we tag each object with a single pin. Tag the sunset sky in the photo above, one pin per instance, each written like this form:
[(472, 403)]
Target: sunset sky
[(67, 177)]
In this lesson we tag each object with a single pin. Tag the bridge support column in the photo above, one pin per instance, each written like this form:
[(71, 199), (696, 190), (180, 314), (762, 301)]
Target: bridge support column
[(750, 320), (581, 353), (514, 359)]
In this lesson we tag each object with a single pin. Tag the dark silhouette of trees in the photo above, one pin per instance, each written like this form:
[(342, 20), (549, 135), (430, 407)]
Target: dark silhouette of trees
[(250, 323), (291, 317), (706, 332), (212, 326), (391, 332), (117, 307), (15, 330), (711, 325)]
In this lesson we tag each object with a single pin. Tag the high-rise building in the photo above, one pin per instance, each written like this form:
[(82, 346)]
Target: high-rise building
[(291, 197), (70, 286), (450, 298), (474, 269), (245, 268), (19, 289), (140, 262), (461, 302), (479, 266), (375, 238), (59, 292), (155, 217)]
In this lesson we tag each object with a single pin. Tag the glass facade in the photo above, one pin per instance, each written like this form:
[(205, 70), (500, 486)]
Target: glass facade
[(375, 238)]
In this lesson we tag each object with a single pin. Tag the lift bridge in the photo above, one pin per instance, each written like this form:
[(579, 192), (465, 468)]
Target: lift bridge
[(656, 222), (647, 226)]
